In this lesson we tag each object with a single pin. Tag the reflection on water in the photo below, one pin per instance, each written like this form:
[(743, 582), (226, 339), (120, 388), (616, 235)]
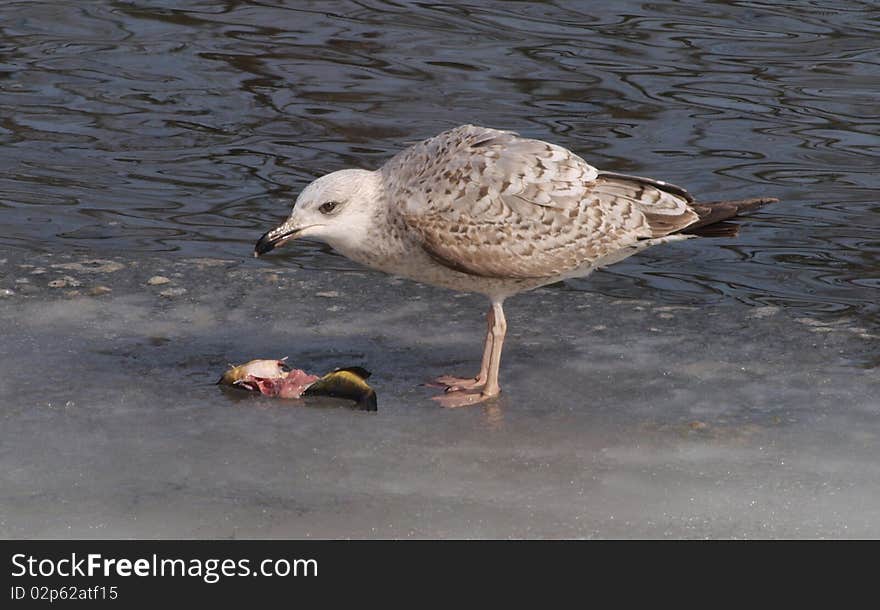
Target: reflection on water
[(137, 126)]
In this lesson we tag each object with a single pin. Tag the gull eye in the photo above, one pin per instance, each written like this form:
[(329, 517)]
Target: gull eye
[(328, 206)]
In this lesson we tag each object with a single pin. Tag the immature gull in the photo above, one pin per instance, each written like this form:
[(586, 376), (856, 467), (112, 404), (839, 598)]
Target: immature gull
[(486, 211)]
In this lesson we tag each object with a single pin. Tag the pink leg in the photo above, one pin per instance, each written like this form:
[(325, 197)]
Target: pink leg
[(451, 383), (491, 388), (499, 330)]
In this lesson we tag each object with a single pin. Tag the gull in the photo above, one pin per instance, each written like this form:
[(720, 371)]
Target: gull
[(485, 211)]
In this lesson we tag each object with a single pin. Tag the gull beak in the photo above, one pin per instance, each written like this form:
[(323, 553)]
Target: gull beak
[(275, 238)]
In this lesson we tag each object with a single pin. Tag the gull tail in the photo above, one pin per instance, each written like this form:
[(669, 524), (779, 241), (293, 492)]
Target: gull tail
[(714, 214)]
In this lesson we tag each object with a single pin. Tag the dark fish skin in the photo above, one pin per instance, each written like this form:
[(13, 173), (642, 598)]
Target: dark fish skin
[(346, 383), (357, 370)]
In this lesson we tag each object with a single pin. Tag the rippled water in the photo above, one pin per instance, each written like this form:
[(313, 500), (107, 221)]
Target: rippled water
[(140, 127)]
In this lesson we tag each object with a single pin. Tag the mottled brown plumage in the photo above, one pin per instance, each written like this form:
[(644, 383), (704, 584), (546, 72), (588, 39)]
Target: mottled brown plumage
[(482, 210), (491, 204)]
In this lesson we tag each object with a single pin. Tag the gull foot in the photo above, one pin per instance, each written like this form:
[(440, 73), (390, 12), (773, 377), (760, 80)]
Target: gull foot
[(462, 398), (453, 384)]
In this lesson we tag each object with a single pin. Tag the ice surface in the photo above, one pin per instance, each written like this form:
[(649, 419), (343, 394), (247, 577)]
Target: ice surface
[(724, 388), (619, 418)]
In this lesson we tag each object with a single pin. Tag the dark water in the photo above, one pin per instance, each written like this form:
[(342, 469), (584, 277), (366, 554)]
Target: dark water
[(137, 127)]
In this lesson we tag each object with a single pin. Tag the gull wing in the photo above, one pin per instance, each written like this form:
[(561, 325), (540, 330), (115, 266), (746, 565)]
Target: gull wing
[(490, 203)]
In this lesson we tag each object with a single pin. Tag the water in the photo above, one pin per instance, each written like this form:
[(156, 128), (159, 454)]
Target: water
[(140, 127), (711, 388)]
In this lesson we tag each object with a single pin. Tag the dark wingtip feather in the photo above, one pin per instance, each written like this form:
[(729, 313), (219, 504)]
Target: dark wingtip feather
[(744, 205), (714, 213), (719, 229)]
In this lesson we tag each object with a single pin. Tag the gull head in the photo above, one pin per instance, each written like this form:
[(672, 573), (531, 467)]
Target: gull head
[(337, 209)]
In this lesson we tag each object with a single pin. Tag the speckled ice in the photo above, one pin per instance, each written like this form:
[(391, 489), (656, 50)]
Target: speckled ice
[(657, 422)]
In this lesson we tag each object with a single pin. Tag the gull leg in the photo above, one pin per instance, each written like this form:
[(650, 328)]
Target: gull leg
[(460, 398), (499, 330), (452, 384)]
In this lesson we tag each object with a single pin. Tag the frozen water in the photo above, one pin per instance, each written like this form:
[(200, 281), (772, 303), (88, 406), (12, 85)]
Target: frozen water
[(724, 388), (620, 417)]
